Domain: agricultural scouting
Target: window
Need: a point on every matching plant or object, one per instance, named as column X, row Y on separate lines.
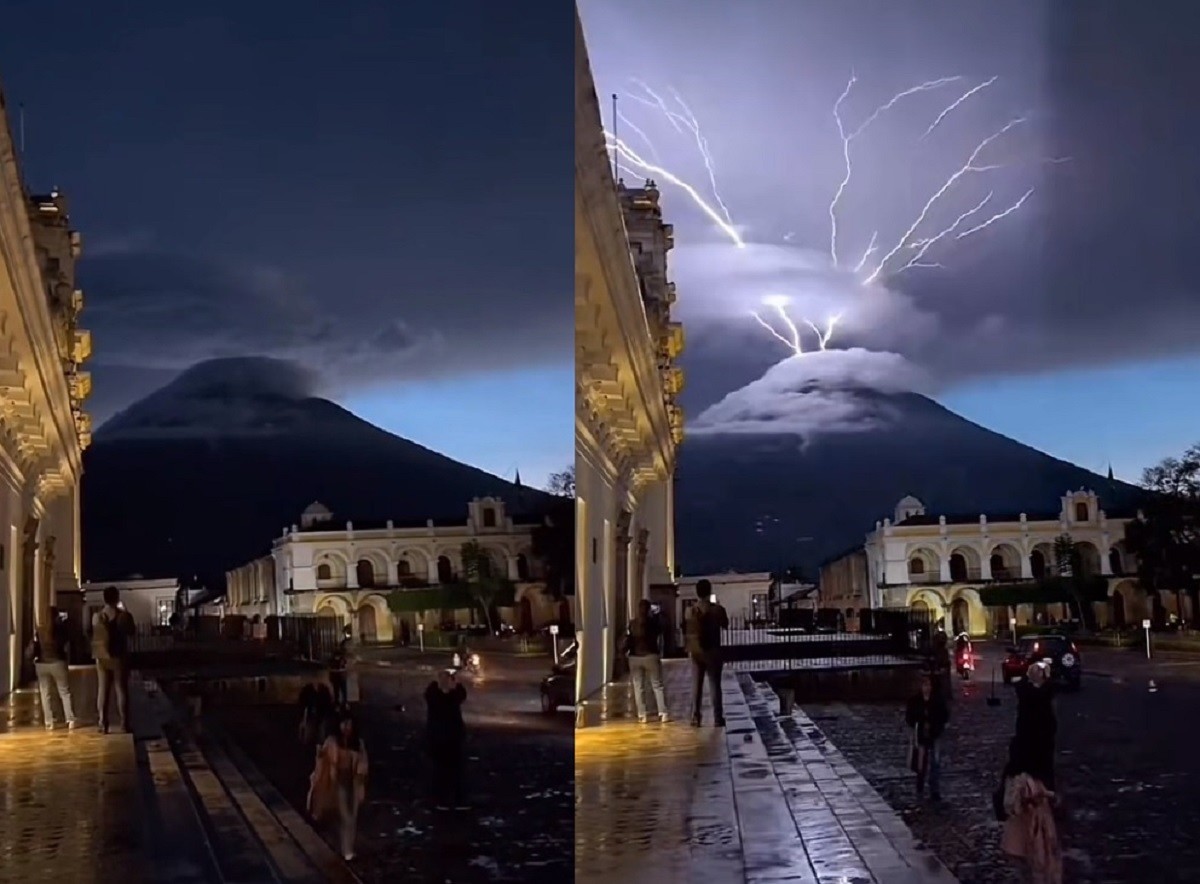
column 324, row 572
column 365, row 572
column 489, row 517
column 166, row 607
column 916, row 566
column 1081, row 512
column 404, row 568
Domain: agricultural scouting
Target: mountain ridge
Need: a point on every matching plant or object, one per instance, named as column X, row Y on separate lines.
column 202, row 474
column 763, row 501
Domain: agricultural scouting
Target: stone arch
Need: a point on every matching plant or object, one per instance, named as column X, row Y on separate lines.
column 924, row 565
column 969, row 607
column 1041, row 561
column 332, row 605
column 965, row 563
column 929, row 600
column 1118, row 557
column 373, row 619
column 1087, row 557
column 417, row 561
column 1005, row 561
column 338, row 565
column 1125, row 603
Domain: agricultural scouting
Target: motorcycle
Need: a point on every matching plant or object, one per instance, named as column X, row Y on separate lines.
column 965, row 662
column 468, row 662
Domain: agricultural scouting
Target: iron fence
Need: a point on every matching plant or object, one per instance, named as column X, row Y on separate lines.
column 874, row 637
column 292, row 637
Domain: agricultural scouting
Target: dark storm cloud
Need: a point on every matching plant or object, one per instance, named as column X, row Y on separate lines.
column 1097, row 267
column 375, row 190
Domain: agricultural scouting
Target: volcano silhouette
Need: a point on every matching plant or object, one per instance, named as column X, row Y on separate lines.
column 759, row 502
column 201, row 475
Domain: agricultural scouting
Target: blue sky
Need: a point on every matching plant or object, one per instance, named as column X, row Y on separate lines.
column 533, row 432
column 1130, row 415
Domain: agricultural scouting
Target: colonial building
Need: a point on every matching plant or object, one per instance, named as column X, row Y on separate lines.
column 947, row 564
column 627, row 424
column 43, row 429
column 348, row 570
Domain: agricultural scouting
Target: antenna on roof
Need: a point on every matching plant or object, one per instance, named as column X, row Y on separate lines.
column 614, row 125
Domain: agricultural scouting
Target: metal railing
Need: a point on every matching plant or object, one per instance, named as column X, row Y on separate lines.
column 826, row 637
column 293, row 637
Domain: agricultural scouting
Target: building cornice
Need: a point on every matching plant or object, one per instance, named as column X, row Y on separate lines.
column 37, row 402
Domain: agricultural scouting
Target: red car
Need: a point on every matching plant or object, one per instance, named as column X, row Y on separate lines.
column 1066, row 664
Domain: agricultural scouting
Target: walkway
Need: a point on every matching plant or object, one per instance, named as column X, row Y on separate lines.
column 69, row 801
column 672, row 802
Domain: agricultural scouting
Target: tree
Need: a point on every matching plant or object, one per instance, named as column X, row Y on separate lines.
column 484, row 585
column 1165, row 538
column 1068, row 568
column 553, row 544
column 562, row 484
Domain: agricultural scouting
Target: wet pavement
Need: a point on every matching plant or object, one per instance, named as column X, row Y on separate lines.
column 69, row 800
column 518, row 776
column 1127, row 768
column 666, row 802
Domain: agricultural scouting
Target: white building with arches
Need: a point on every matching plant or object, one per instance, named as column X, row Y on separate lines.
column 43, row 428
column 349, row 569
column 943, row 562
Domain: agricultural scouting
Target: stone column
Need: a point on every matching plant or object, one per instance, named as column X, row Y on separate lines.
column 513, row 572
column 621, row 609
column 985, row 564
column 944, row 566
column 431, row 570
column 657, row 514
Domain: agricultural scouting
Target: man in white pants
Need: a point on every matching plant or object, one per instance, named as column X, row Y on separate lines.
column 644, row 644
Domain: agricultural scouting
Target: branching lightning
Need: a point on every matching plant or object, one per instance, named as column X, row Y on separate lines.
column 875, row 263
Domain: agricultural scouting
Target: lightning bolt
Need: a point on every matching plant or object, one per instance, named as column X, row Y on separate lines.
column 824, row 336
column 973, row 90
column 997, row 216
column 968, row 167
column 847, row 139
column 794, row 344
column 923, row 245
column 686, row 120
column 793, row 341
column 645, row 138
column 862, row 262
column 625, row 152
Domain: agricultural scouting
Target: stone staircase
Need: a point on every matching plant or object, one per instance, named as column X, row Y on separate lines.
column 213, row 817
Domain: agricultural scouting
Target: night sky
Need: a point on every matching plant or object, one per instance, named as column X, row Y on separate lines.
column 377, row 190
column 1070, row 324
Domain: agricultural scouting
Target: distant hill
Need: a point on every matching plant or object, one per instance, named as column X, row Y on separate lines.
column 746, row 501
column 202, row 474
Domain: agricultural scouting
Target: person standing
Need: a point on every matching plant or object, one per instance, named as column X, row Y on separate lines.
column 705, row 621
column 927, row 716
column 112, row 627
column 51, row 644
column 339, row 782
column 644, row 646
column 447, row 734
column 1037, row 725
column 339, row 671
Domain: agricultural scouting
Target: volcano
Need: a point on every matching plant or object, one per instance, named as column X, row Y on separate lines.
column 201, row 475
column 762, row 501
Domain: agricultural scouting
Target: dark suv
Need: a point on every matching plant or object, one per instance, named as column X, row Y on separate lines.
column 1066, row 665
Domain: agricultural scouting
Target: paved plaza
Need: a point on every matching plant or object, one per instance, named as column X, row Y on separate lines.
column 1127, row 767
column 69, row 801
column 671, row 802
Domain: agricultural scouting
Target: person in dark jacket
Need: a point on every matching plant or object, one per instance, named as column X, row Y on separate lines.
column 643, row 644
column 447, row 736
column 705, row 622
column 927, row 716
column 1037, row 725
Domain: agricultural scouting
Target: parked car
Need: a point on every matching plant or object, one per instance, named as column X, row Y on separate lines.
column 1066, row 664
column 558, row 688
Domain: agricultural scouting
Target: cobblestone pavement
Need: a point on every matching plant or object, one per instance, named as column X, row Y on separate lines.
column 1127, row 768
column 68, row 802
column 519, row 778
